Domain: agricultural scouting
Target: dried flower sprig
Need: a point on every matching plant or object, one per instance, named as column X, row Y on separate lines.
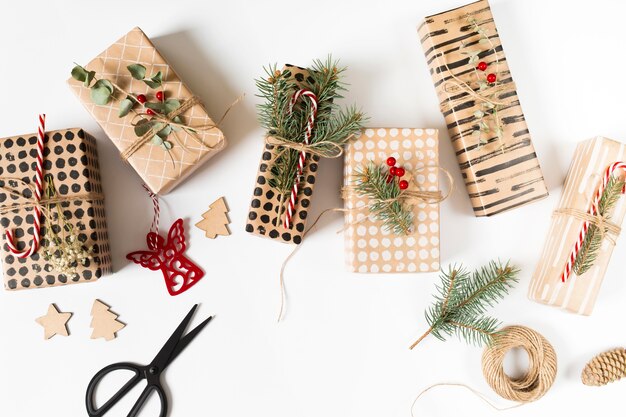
column 60, row 244
column 487, row 120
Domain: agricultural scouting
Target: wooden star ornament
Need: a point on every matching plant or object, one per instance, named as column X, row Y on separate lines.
column 54, row 322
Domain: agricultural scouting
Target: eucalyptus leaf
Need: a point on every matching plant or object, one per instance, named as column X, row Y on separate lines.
column 104, row 83
column 155, row 105
column 476, row 133
column 167, row 144
column 171, row 105
column 478, row 114
column 156, row 140
column 137, row 71
column 473, row 59
column 163, row 133
column 100, row 95
column 125, row 106
column 89, row 78
column 143, row 126
column 155, row 81
column 79, row 73
column 179, row 120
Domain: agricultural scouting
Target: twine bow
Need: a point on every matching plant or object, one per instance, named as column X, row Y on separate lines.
column 32, row 202
column 607, row 229
column 168, row 119
column 323, row 149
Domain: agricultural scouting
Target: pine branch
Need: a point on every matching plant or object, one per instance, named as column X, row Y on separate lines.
column 590, row 247
column 332, row 125
column 462, row 300
column 371, row 181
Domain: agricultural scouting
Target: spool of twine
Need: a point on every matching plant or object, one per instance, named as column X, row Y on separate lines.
column 542, row 365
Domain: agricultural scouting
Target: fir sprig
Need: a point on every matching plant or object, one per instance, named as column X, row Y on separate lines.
column 371, row 181
column 463, row 299
column 333, row 126
column 590, row 247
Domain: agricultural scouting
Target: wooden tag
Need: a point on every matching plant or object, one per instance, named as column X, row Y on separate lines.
column 216, row 220
column 104, row 322
column 54, row 322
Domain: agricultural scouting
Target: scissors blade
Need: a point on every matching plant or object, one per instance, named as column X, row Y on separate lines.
column 182, row 344
column 162, row 359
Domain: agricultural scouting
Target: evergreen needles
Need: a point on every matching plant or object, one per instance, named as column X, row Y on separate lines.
column 593, row 240
column 463, row 299
column 371, row 181
column 333, row 126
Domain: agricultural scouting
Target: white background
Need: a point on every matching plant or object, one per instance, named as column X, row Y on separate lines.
column 342, row 349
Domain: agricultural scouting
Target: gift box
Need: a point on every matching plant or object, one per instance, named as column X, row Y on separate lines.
column 164, row 139
column 479, row 101
column 70, row 168
column 268, row 206
column 370, row 246
column 551, row 284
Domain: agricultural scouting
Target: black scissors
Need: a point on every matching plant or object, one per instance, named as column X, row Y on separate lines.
column 151, row 373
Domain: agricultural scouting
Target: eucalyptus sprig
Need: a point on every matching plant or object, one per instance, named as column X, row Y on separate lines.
column 371, row 181
column 102, row 91
column 592, row 242
column 463, row 299
column 333, row 125
column 61, row 245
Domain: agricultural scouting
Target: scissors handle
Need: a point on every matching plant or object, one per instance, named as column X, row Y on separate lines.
column 140, row 373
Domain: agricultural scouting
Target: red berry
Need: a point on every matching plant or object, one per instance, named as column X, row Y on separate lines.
column 160, row 95
column 482, row 65
column 400, row 172
column 391, row 161
column 389, row 178
column 491, row 78
column 404, row 184
column 392, row 171
column 150, row 112
column 141, row 98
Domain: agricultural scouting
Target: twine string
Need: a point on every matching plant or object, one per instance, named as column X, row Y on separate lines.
column 607, row 229
column 542, row 369
column 154, row 227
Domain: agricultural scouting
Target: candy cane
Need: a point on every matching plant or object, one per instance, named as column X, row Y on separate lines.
column 34, row 244
column 302, row 157
column 593, row 210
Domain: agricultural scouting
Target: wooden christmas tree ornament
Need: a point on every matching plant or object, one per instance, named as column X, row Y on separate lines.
column 215, row 220
column 604, row 368
column 54, row 322
column 104, row 322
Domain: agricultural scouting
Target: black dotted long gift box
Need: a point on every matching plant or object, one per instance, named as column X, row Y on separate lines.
column 71, row 161
column 266, row 214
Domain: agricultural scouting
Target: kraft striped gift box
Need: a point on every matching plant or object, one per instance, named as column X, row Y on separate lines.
column 578, row 293
column 479, row 101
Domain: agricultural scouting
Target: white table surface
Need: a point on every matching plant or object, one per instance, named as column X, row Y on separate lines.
column 342, row 349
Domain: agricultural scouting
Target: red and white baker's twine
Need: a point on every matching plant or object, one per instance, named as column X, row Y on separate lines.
column 291, row 206
column 34, row 244
column 157, row 210
column 593, row 210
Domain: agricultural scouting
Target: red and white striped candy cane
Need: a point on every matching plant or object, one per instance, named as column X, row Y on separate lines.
column 34, row 244
column 291, row 206
column 593, row 210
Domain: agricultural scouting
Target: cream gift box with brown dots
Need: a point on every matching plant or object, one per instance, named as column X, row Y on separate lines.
column 370, row 247
column 71, row 167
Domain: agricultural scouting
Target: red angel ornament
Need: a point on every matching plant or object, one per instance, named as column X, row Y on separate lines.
column 179, row 272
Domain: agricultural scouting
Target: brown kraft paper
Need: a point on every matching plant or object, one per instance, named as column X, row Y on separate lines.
column 504, row 173
column 150, row 161
column 265, row 217
column 371, row 248
column 71, row 159
column 578, row 293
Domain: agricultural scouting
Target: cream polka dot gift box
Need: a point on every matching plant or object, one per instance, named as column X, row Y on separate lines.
column 370, row 245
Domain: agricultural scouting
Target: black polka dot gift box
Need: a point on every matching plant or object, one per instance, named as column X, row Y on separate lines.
column 269, row 206
column 73, row 243
column 159, row 126
column 479, row 101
